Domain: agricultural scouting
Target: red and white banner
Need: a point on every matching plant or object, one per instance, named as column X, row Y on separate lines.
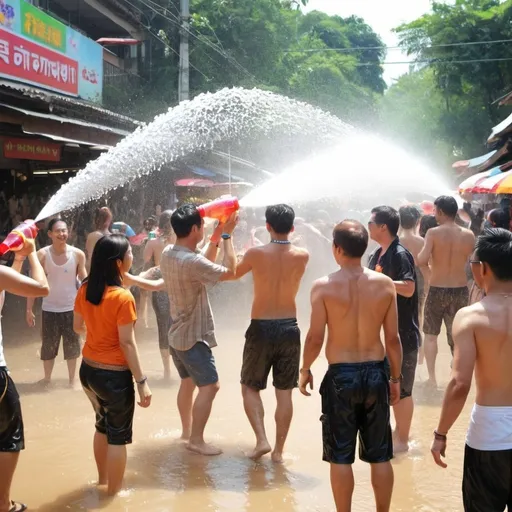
column 30, row 62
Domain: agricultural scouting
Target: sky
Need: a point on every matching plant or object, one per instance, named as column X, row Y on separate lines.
column 382, row 16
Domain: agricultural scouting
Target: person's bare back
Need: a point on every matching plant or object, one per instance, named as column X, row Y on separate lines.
column 489, row 322
column 356, row 303
column 450, row 247
column 277, row 272
column 413, row 243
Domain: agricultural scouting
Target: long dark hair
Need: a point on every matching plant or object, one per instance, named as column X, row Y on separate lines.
column 108, row 250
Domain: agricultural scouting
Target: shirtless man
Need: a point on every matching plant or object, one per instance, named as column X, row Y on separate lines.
column 447, row 248
column 354, row 304
column 409, row 219
column 152, row 255
column 102, row 223
column 64, row 266
column 483, row 342
column 273, row 338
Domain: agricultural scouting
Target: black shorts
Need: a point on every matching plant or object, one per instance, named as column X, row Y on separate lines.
column 409, row 363
column 12, row 436
column 112, row 396
column 487, row 480
column 160, row 301
column 271, row 344
column 54, row 327
column 355, row 401
column 443, row 304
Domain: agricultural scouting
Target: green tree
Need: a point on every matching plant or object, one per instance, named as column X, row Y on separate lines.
column 469, row 76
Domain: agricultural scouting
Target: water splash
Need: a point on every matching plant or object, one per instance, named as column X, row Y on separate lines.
column 197, row 125
column 362, row 169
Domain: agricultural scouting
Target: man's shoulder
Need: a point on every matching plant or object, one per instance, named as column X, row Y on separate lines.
column 77, row 251
column 373, row 275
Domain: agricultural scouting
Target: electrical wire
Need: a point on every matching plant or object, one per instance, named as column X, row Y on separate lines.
column 157, row 37
column 362, row 48
column 205, row 41
column 432, row 61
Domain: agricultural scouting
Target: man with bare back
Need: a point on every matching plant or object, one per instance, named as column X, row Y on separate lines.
column 160, row 300
column 483, row 346
column 272, row 340
column 447, row 248
column 354, row 303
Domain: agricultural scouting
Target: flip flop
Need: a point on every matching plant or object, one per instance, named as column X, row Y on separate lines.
column 17, row 507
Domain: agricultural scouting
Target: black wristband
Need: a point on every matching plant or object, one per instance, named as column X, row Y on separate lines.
column 439, row 437
column 143, row 381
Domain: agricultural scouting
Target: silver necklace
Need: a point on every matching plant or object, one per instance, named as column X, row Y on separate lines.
column 280, row 242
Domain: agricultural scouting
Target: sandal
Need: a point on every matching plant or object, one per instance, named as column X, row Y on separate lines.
column 17, row 507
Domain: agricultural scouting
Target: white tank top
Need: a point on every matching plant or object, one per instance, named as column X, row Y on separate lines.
column 62, row 283
column 2, row 358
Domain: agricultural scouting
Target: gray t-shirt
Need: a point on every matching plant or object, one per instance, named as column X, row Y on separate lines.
column 186, row 275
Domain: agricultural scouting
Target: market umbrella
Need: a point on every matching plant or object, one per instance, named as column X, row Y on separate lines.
column 498, row 184
column 505, row 185
column 469, row 184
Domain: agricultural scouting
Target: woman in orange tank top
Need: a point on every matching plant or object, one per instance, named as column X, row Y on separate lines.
column 105, row 312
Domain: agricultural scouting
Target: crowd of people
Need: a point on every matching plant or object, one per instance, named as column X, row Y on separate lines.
column 418, row 268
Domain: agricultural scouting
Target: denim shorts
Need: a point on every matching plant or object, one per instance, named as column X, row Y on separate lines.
column 196, row 363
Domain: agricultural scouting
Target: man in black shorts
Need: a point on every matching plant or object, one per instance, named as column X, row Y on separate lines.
column 483, row 347
column 355, row 303
column 273, row 338
column 396, row 262
column 12, row 439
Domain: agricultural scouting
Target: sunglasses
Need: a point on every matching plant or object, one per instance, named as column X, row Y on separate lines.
column 475, row 262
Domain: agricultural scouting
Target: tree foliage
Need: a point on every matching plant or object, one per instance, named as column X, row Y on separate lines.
column 266, row 44
column 463, row 79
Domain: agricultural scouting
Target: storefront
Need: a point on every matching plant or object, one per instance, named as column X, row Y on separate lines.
column 51, row 119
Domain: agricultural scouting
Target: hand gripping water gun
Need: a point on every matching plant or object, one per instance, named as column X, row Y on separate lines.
column 220, row 209
column 17, row 237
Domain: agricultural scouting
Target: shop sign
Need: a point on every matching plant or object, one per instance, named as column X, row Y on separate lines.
column 31, row 149
column 40, row 50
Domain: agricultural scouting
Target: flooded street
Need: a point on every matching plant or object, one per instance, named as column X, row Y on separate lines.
column 57, row 470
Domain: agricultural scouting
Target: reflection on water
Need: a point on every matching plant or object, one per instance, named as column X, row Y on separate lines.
column 57, row 471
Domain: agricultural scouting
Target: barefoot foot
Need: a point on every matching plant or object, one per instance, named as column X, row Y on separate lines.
column 204, row 449
column 277, row 458
column 260, row 450
column 399, row 447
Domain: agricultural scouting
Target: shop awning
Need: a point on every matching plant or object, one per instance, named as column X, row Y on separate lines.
column 473, row 162
column 501, row 129
column 67, row 120
column 97, row 147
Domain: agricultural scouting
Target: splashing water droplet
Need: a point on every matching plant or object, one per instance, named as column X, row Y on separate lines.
column 227, row 115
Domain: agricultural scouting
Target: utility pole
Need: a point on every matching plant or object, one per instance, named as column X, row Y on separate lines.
column 184, row 77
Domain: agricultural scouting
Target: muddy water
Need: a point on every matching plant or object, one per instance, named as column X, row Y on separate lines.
column 57, row 471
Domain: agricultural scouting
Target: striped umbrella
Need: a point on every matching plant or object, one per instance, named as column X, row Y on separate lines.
column 468, row 185
column 505, row 185
column 498, row 184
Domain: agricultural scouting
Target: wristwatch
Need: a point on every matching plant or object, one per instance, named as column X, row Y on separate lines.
column 225, row 236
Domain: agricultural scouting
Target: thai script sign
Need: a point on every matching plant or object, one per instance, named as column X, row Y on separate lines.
column 31, row 149
column 37, row 49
